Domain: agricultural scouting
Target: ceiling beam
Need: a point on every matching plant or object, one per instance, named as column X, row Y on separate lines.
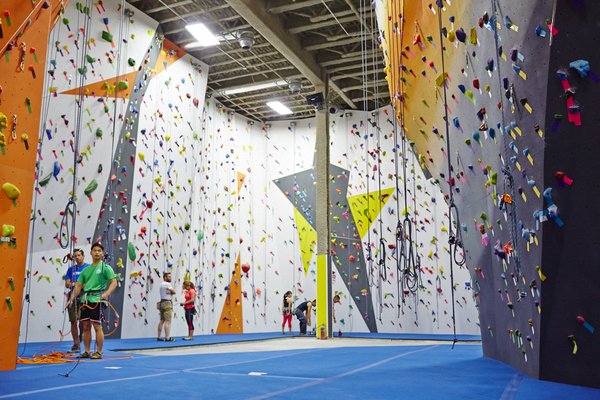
column 281, row 6
column 265, row 55
column 166, row 7
column 311, row 26
column 380, row 95
column 368, row 84
column 273, row 30
column 333, row 43
column 243, row 81
column 247, row 74
column 210, row 52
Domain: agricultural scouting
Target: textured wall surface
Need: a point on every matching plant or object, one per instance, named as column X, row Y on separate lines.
column 21, row 81
column 571, row 254
column 505, row 149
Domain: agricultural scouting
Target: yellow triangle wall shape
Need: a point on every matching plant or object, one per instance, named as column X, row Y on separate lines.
column 308, row 239
column 366, row 208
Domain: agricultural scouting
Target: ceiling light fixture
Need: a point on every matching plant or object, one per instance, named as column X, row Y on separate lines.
column 251, row 88
column 280, row 108
column 202, row 35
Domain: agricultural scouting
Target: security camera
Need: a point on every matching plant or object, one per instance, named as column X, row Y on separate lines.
column 295, row 86
column 334, row 109
column 246, row 40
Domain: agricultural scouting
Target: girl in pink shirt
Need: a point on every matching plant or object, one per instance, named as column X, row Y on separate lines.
column 190, row 309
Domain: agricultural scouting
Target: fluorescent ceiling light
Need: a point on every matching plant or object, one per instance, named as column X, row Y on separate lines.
column 280, row 108
column 251, row 88
column 202, row 35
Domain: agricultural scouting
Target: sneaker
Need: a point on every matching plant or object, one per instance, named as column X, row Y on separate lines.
column 96, row 356
column 85, row 354
column 160, row 339
column 74, row 349
column 170, row 339
column 187, row 338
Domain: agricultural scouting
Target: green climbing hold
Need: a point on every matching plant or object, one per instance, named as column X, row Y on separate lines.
column 131, row 62
column 200, row 235
column 44, row 181
column 99, row 132
column 90, row 187
column 123, row 85
column 131, row 251
column 107, row 36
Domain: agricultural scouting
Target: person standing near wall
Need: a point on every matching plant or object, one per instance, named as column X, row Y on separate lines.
column 286, row 308
column 97, row 282
column 70, row 280
column 303, row 313
column 189, row 293
column 336, row 300
column 165, row 307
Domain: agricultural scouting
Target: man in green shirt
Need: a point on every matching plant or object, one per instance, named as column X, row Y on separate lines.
column 97, row 283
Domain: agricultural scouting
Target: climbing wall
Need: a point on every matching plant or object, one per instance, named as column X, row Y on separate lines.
column 22, row 64
column 506, row 145
column 269, row 219
column 169, row 180
column 135, row 147
column 570, row 291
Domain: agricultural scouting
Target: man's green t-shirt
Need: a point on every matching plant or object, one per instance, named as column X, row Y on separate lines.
column 95, row 280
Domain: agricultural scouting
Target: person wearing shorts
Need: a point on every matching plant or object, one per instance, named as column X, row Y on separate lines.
column 97, row 282
column 165, row 307
column 70, row 280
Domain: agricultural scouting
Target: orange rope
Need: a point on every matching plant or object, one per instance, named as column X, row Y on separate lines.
column 58, row 357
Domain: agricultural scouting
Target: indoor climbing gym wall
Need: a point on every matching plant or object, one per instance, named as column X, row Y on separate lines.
column 23, row 32
column 117, row 164
column 134, row 155
column 259, row 229
column 479, row 89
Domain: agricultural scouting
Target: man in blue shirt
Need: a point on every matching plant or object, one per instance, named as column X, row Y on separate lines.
column 70, row 279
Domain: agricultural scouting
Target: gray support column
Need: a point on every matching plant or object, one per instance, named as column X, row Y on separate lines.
column 322, row 221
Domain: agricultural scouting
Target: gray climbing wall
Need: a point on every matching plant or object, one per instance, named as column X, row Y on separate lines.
column 514, row 148
column 570, row 295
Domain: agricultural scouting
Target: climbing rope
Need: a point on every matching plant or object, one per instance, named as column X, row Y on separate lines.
column 452, row 239
column 365, row 90
column 506, row 169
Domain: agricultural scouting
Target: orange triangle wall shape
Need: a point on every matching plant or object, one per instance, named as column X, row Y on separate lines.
column 240, row 179
column 231, row 320
column 169, row 54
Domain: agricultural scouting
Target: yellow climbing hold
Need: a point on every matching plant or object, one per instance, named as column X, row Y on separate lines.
column 12, row 192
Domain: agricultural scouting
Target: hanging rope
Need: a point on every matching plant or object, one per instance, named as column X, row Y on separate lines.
column 365, row 90
column 108, row 241
column 508, row 180
column 151, row 219
column 453, row 243
column 295, row 202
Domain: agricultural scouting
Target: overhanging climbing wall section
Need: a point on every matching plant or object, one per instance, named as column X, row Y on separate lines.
column 491, row 84
column 570, row 297
column 22, row 66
